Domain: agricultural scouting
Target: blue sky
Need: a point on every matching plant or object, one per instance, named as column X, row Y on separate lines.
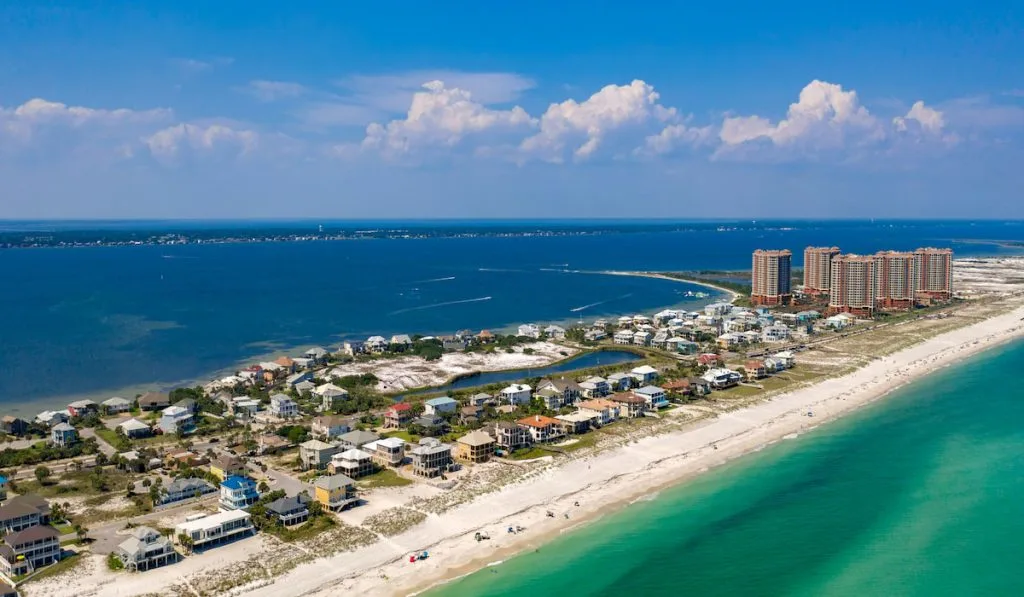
column 595, row 109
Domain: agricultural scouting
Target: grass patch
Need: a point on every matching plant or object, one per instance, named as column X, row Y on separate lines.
column 60, row 567
column 98, row 500
column 311, row 528
column 109, row 435
column 403, row 435
column 383, row 478
column 64, row 528
column 585, row 440
column 528, row 453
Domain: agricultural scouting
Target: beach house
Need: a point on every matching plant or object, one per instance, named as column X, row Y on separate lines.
column 238, row 493
column 283, row 407
column 330, row 396
column 112, row 406
column 619, row 382
column 154, row 401
column 203, row 532
column 549, row 397
column 470, row 415
column 755, row 369
column 517, row 394
column 786, row 358
column 630, row 405
column 541, row 429
column 24, row 511
column 644, row 374
column 389, row 451
column 594, row 387
column 555, row 332
column 510, row 436
column 49, row 418
column 475, row 446
column 352, row 462
column 430, row 457
column 335, row 492
column 316, row 454
column 329, row 427
column 594, row 335
column 573, row 423
column 27, row 550
column 352, row 348
column 226, row 465
column 641, row 338
column 568, row 390
column 144, row 550
column 290, row 510
column 185, row 488
column 12, row 425
column 398, row 415
column 599, row 410
column 528, row 330
column 721, row 378
column 709, row 359
column 63, row 435
column 623, row 337
column 357, row 439
column 376, row 344
column 174, row 419
column 480, row 399
column 295, row 379
column 82, row 408
column 653, row 396
column 440, row 406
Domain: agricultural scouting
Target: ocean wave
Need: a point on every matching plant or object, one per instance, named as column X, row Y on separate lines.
column 444, row 304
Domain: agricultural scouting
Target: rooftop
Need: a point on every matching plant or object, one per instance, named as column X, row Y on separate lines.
column 333, row 482
column 212, row 520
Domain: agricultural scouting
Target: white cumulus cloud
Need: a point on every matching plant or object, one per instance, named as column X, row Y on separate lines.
column 824, row 116
column 928, row 119
column 35, row 114
column 586, row 124
column 168, row 143
column 441, row 116
column 675, row 136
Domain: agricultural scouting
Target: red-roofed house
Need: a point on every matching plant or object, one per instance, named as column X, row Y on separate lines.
column 709, row 360
column 397, row 415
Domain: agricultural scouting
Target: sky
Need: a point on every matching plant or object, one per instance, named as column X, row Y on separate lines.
column 511, row 110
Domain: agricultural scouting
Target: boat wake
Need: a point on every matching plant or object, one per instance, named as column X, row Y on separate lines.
column 444, row 304
column 578, row 309
column 433, row 280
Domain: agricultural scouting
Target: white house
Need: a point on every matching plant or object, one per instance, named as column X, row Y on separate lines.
column 283, row 407
column 654, row 396
column 786, row 357
column 620, row 381
column 722, row 378
column 517, row 394
column 641, row 338
column 623, row 337
column 529, row 330
column 440, row 406
column 717, row 309
column 116, row 405
column 217, row 528
column 659, row 339
column 595, row 387
column 555, row 332
column 594, row 335
column 644, row 374
column 330, row 395
column 174, row 419
column 777, row 332
column 376, row 344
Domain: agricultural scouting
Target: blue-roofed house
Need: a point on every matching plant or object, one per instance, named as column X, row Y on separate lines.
column 3, row 488
column 238, row 493
column 440, row 406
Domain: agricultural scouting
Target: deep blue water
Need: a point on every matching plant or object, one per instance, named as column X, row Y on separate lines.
column 88, row 321
column 583, row 361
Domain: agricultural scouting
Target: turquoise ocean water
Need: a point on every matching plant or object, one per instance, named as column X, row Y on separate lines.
column 920, row 494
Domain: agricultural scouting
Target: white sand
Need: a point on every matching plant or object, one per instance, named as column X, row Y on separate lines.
column 403, row 373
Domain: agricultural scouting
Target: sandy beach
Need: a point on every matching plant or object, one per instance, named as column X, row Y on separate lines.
column 612, row 480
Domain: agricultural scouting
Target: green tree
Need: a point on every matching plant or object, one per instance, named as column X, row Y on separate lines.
column 42, row 474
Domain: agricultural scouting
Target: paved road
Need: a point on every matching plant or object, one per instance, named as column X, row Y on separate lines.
column 278, row 479
column 106, row 448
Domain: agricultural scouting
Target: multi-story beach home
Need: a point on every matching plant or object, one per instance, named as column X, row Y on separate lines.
column 209, row 531
column 510, row 436
column 352, row 348
column 112, row 406
column 541, row 429
column 12, row 425
column 27, row 550
column 619, row 382
column 653, row 395
column 316, row 454
column 329, row 427
column 517, row 394
column 63, row 435
column 480, row 399
column 755, row 369
column 357, row 439
column 335, row 492
column 174, row 419
column 595, row 387
column 599, row 410
column 389, row 451
column 238, row 493
column 475, row 446
column 594, row 335
column 623, row 337
column 24, row 511
column 400, row 341
column 82, row 408
column 721, row 378
column 154, row 401
column 283, row 407
column 568, row 390
column 376, row 344
column 290, row 510
column 555, row 332
column 529, row 330
column 185, row 488
column 430, row 457
column 227, row 465
column 318, row 354
column 642, row 338
column 573, row 423
column 630, row 405
column 659, row 339
column 295, row 379
column 786, row 358
column 550, row 397
column 440, row 406
column 398, row 415
column 144, row 550
column 353, row 462
column 644, row 374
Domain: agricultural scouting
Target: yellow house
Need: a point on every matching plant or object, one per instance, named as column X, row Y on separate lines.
column 335, row 492
column 476, row 446
column 226, row 465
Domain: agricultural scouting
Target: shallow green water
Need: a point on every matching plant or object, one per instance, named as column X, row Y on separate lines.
column 922, row 494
